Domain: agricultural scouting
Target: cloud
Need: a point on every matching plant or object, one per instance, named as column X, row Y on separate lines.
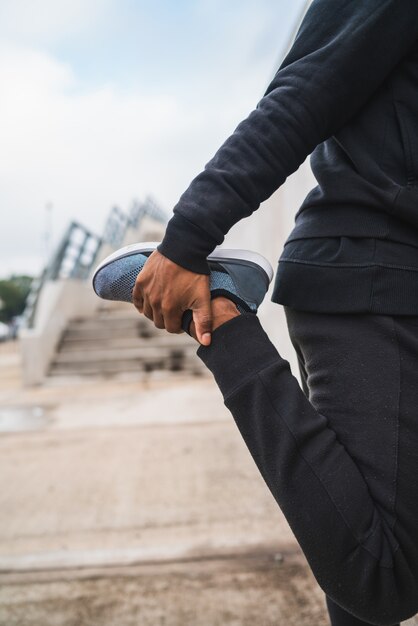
column 49, row 21
column 85, row 150
column 85, row 147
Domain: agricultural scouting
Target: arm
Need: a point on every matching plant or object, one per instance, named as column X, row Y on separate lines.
column 342, row 53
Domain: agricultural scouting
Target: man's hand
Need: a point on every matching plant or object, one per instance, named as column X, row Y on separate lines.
column 164, row 290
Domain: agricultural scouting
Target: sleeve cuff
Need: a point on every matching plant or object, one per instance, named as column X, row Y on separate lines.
column 239, row 349
column 187, row 245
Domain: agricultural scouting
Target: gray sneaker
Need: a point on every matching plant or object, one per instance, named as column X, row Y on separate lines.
column 242, row 276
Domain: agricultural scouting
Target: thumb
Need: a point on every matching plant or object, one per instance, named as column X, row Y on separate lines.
column 202, row 317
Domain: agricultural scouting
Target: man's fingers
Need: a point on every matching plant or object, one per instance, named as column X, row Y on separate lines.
column 158, row 319
column 137, row 298
column 148, row 312
column 172, row 320
column 163, row 290
column 202, row 317
column 138, row 304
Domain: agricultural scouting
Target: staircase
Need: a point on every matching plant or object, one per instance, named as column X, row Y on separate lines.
column 117, row 341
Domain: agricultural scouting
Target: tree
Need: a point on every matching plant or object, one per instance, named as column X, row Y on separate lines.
column 13, row 294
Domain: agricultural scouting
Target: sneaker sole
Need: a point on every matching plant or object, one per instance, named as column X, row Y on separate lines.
column 221, row 254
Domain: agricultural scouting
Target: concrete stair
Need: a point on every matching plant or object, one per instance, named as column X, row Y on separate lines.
column 118, row 340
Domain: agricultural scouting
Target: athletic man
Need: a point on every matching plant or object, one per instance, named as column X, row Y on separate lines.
column 341, row 456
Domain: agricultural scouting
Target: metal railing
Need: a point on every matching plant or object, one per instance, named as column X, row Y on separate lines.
column 73, row 258
column 79, row 247
column 118, row 222
column 148, row 207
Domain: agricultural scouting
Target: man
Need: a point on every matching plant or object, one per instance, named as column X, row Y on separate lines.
column 341, row 459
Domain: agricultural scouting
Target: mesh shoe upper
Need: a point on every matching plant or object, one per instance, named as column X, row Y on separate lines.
column 241, row 275
column 116, row 280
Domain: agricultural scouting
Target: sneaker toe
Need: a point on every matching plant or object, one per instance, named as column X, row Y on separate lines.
column 116, row 280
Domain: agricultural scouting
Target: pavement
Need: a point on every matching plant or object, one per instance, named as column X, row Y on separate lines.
column 129, row 502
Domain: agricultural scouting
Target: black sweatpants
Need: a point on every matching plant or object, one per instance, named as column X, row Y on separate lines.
column 340, row 456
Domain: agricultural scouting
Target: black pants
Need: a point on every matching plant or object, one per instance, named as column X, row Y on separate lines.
column 341, row 455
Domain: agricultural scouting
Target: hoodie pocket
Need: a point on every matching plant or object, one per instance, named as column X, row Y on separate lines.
column 405, row 128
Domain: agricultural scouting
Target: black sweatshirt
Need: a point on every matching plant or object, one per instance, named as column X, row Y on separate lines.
column 347, row 92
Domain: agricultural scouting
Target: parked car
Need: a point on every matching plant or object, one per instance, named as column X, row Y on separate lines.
column 14, row 326
column 4, row 332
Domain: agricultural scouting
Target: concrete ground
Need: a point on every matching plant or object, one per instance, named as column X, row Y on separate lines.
column 137, row 503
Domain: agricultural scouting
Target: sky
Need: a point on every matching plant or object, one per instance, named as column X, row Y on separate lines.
column 107, row 101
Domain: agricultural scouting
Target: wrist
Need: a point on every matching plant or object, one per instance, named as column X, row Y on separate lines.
column 187, row 245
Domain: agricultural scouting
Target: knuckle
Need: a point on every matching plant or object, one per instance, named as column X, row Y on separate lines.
column 138, row 283
column 169, row 309
column 154, row 303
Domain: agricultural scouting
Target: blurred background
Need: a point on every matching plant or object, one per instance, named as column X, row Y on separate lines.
column 127, row 495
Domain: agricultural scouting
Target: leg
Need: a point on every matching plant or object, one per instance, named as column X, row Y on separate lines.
column 338, row 616
column 335, row 463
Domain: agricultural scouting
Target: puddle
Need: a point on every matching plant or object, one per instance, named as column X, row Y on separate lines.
column 15, row 419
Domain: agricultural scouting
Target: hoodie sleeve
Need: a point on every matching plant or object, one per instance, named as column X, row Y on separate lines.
column 343, row 51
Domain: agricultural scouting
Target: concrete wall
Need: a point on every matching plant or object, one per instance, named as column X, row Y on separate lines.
column 59, row 301
column 265, row 232
column 63, row 300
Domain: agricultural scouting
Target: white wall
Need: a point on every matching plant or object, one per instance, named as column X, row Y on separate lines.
column 265, row 232
column 59, row 301
column 63, row 300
